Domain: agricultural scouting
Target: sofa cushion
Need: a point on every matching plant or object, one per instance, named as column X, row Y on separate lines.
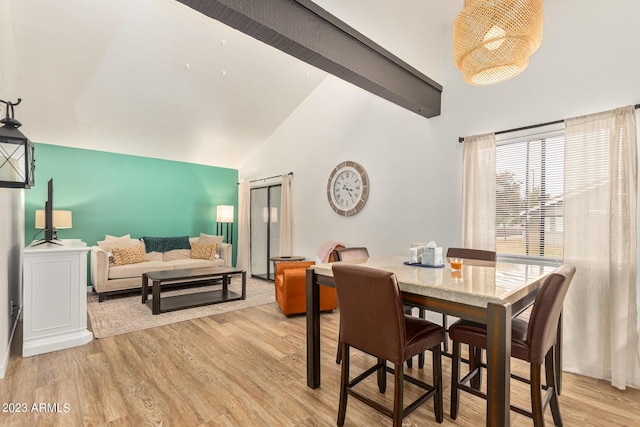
column 153, row 256
column 131, row 255
column 208, row 239
column 136, row 270
column 203, row 251
column 176, row 254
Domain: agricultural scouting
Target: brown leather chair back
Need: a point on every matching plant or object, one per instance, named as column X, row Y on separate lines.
column 371, row 316
column 348, row 254
column 543, row 323
column 332, row 255
column 467, row 253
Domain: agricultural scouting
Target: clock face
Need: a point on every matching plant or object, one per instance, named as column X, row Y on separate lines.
column 348, row 188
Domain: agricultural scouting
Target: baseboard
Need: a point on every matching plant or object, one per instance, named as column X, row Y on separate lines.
column 4, row 364
column 89, row 289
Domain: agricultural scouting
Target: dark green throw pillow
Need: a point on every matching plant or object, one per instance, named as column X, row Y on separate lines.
column 153, row 244
column 171, row 243
column 165, row 244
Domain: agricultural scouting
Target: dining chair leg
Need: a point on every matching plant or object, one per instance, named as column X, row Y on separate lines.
column 445, row 343
column 438, row 404
column 455, row 381
column 558, row 357
column 550, row 375
column 475, row 363
column 339, row 351
column 382, row 376
column 344, row 381
column 536, row 395
column 421, row 356
column 398, row 408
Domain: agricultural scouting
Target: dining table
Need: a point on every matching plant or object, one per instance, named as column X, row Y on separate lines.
column 486, row 292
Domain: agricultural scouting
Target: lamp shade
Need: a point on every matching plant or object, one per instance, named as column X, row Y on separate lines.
column 61, row 219
column 494, row 39
column 224, row 213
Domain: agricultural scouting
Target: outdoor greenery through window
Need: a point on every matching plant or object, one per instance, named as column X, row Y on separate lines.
column 529, row 197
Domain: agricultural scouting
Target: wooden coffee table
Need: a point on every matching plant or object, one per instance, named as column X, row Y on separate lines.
column 191, row 277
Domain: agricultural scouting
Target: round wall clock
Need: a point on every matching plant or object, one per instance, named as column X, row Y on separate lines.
column 348, row 188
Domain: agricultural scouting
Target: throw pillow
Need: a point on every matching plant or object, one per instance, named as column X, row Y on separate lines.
column 165, row 244
column 172, row 243
column 208, row 239
column 107, row 245
column 131, row 255
column 153, row 244
column 203, row 251
column 110, row 237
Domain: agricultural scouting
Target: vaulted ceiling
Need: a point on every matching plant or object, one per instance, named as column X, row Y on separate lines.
column 158, row 79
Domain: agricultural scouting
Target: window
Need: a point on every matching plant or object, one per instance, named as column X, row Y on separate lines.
column 529, row 197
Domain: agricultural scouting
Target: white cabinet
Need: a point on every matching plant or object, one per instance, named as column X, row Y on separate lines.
column 55, row 297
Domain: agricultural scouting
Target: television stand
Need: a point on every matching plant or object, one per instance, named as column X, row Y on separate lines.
column 55, row 297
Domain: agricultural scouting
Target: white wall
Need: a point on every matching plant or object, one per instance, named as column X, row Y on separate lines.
column 408, row 202
column 587, row 63
column 11, row 244
column 11, row 207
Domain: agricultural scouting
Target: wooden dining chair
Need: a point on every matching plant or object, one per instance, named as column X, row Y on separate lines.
column 359, row 253
column 466, row 253
column 350, row 254
column 532, row 340
column 372, row 320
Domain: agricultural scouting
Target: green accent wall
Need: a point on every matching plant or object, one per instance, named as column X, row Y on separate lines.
column 120, row 194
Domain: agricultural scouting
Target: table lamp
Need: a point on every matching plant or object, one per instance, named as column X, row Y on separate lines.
column 61, row 220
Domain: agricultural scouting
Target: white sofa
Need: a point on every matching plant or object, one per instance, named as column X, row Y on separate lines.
column 108, row 278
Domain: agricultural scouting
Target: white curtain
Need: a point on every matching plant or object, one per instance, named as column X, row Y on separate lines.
column 286, row 226
column 479, row 192
column 600, row 314
column 244, row 228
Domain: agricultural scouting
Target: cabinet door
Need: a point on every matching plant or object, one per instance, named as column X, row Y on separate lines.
column 51, row 292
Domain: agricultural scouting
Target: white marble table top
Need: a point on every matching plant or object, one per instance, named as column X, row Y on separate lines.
column 477, row 284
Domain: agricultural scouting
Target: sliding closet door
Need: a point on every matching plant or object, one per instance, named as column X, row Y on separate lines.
column 265, row 229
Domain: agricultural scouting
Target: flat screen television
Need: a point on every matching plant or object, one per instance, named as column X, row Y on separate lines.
column 49, row 234
column 48, row 213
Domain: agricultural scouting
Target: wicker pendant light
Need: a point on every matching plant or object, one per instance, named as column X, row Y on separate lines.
column 493, row 39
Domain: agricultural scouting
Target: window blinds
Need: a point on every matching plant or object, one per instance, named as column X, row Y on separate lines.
column 529, row 196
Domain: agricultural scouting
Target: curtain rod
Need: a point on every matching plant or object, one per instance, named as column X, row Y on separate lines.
column 269, row 177
column 461, row 139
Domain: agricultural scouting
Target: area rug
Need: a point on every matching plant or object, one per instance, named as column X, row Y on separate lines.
column 126, row 313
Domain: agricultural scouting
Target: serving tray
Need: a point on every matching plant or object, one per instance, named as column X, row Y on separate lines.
column 417, row 264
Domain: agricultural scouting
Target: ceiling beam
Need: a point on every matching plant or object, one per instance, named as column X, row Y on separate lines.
column 304, row 30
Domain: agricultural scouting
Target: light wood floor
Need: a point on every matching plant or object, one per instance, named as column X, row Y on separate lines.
column 245, row 368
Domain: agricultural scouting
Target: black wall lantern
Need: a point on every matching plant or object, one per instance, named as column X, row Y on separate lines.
column 16, row 153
